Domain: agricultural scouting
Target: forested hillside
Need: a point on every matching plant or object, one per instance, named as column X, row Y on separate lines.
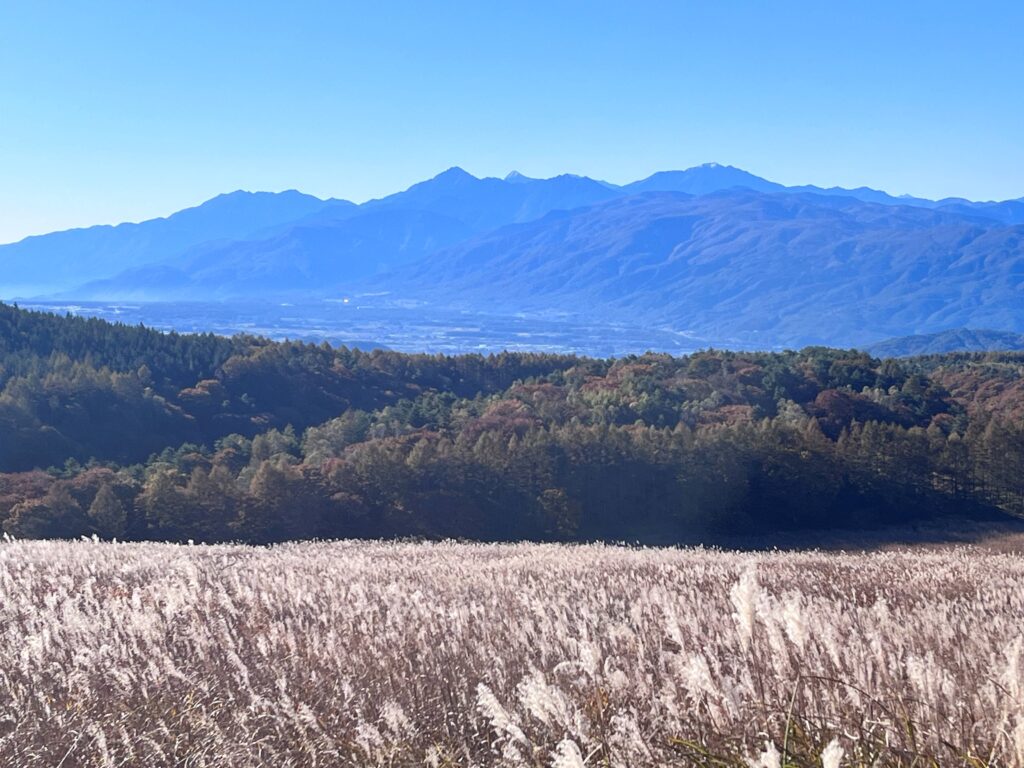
column 129, row 433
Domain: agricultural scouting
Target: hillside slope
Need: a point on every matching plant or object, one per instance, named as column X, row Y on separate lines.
column 314, row 257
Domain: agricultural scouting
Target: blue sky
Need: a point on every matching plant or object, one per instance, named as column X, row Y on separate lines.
column 113, row 111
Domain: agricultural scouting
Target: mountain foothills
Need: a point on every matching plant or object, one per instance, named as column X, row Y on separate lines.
column 712, row 251
column 954, row 340
column 125, row 432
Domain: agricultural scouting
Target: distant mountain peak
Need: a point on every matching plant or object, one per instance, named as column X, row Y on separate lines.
column 515, row 177
column 246, row 194
column 455, row 174
column 702, row 180
column 225, row 197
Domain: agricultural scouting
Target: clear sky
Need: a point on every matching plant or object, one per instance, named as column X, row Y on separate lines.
column 113, row 111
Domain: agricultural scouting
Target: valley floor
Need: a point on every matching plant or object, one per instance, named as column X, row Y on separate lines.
column 356, row 653
column 376, row 322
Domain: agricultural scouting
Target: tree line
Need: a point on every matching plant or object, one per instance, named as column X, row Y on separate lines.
column 127, row 433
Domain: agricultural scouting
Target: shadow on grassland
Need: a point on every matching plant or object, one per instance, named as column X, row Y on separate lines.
column 1005, row 534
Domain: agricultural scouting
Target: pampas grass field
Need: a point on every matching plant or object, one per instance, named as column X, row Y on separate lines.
column 413, row 654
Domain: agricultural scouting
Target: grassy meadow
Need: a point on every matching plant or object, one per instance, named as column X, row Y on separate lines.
column 447, row 654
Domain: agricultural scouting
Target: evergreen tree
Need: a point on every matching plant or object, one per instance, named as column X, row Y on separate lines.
column 108, row 514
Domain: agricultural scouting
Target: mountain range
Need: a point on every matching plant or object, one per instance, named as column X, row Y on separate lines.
column 743, row 267
column 713, row 251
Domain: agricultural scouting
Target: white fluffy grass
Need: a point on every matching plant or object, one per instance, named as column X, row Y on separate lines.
column 357, row 653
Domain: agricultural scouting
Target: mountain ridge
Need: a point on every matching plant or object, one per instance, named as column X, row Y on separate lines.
column 712, row 247
column 741, row 266
column 88, row 251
